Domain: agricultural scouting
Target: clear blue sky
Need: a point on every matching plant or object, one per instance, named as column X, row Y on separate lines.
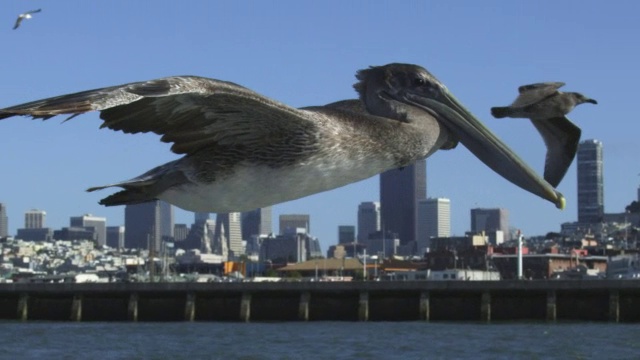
column 306, row 53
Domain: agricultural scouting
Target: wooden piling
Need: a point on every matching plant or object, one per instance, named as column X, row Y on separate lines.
column 303, row 308
column 485, row 306
column 23, row 307
column 132, row 308
column 76, row 308
column 551, row 305
column 424, row 306
column 363, row 306
column 245, row 307
column 190, row 307
column 614, row 306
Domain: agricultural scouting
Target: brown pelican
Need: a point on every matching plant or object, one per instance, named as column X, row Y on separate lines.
column 26, row 15
column 546, row 107
column 244, row 151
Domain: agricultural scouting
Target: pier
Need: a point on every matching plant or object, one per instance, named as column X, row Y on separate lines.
column 476, row 301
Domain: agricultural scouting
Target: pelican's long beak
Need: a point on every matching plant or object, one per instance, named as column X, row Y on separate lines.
column 485, row 145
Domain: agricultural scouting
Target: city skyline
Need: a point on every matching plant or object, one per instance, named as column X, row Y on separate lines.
column 51, row 163
column 36, row 217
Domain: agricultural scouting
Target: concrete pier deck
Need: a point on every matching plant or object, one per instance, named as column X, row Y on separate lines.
column 485, row 301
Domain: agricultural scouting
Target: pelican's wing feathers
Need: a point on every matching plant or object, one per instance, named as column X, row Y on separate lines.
column 191, row 112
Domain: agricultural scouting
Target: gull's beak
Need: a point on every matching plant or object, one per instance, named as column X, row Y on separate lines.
column 484, row 144
column 591, row 101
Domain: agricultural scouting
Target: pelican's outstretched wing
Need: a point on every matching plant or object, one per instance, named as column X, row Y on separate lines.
column 191, row 112
column 561, row 137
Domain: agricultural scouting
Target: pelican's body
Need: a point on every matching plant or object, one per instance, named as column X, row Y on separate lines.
column 26, row 15
column 244, row 151
column 547, row 108
column 350, row 151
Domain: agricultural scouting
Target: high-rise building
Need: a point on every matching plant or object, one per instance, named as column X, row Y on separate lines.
column 256, row 222
column 400, row 190
column 148, row 223
column 4, row 221
column 88, row 221
column 368, row 219
column 346, row 234
column 434, row 220
column 34, row 219
column 201, row 217
column 229, row 231
column 288, row 247
column 115, row 236
column 180, row 232
column 590, row 182
column 490, row 220
column 294, row 221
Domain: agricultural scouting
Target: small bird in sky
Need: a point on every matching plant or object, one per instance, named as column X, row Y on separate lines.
column 547, row 108
column 23, row 16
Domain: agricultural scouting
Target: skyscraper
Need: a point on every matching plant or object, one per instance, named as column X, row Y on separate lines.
column 147, row 222
column 294, row 221
column 4, row 221
column 434, row 220
column 228, row 232
column 368, row 219
column 346, row 234
column 490, row 220
column 590, row 182
column 115, row 236
column 34, row 227
column 34, row 219
column 201, row 217
column 400, row 190
column 256, row 222
column 98, row 224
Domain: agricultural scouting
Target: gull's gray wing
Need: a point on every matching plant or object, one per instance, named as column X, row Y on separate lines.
column 33, row 11
column 18, row 21
column 191, row 112
column 561, row 137
column 534, row 93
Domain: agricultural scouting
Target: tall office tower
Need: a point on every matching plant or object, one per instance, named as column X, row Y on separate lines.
column 229, row 231
column 115, row 236
column 434, row 220
column 180, row 232
column 590, row 182
column 147, row 223
column 4, row 221
column 346, row 234
column 201, row 217
column 256, row 222
column 294, row 221
column 34, row 219
column 368, row 219
column 99, row 225
column 400, row 190
column 490, row 220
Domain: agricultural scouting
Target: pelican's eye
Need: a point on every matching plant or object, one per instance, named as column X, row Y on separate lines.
column 419, row 81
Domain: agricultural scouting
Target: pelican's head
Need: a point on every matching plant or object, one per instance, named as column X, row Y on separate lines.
column 408, row 93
